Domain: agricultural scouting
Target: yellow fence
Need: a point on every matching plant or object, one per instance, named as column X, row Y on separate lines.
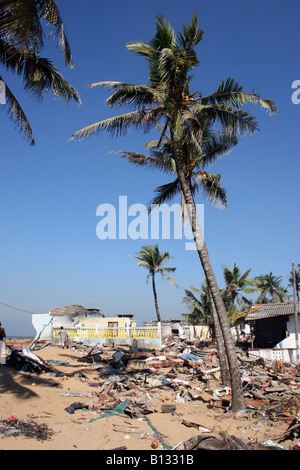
column 108, row 333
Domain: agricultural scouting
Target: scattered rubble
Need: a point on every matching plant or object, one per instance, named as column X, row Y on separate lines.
column 126, row 381
column 23, row 360
column 12, row 426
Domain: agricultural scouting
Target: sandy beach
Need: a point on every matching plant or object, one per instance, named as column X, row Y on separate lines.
column 42, row 399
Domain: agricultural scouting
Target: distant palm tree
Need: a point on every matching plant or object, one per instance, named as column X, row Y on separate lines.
column 271, row 289
column 291, row 282
column 236, row 283
column 151, row 259
column 21, row 41
column 203, row 311
column 198, row 301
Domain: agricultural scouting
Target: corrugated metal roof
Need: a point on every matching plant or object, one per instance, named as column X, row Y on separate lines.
column 272, row 310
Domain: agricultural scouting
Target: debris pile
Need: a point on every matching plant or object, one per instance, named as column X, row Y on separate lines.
column 22, row 359
column 126, row 381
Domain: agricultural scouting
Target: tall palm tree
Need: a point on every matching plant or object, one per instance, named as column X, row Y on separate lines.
column 21, row 41
column 167, row 100
column 271, row 289
column 151, row 259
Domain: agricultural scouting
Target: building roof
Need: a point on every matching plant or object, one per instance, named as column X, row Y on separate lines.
column 272, row 310
column 70, row 310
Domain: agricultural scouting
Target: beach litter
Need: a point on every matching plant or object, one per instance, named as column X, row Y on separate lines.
column 29, row 428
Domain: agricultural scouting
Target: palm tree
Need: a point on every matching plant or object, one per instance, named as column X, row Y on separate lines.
column 151, row 259
column 198, row 301
column 21, row 41
column 236, row 282
column 270, row 289
column 291, row 282
column 168, row 101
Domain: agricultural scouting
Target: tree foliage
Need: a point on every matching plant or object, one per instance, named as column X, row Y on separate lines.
column 22, row 24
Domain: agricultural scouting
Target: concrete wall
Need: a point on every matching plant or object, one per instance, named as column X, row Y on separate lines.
column 100, row 322
column 37, row 323
column 284, row 351
column 284, row 355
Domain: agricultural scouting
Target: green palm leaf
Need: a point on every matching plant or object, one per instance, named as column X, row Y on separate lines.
column 17, row 115
column 21, row 24
column 21, row 39
column 117, row 125
column 37, row 73
column 231, row 94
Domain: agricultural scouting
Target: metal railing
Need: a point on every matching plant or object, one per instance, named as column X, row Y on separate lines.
column 111, row 333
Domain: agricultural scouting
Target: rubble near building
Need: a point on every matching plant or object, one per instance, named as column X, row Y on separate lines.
column 127, row 381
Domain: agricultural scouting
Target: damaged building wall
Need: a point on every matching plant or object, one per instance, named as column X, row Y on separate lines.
column 100, row 322
column 273, row 331
column 181, row 329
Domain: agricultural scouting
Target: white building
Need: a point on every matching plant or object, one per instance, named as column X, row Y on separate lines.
column 273, row 330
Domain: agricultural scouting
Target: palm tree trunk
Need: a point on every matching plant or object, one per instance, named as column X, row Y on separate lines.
column 155, row 299
column 235, row 377
column 220, row 346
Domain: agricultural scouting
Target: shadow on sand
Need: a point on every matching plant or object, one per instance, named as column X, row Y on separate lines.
column 18, row 384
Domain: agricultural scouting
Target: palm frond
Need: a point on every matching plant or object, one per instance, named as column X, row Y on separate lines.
column 50, row 13
column 165, row 35
column 217, row 145
column 167, row 66
column 159, row 161
column 132, row 95
column 235, row 121
column 209, row 184
column 164, row 193
column 190, row 37
column 192, row 301
column 231, row 94
column 38, row 74
column 168, row 278
column 142, row 48
column 116, row 125
column 17, row 115
column 244, row 276
column 21, row 24
column 126, row 93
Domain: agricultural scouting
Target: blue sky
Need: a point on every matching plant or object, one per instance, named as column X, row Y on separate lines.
column 50, row 254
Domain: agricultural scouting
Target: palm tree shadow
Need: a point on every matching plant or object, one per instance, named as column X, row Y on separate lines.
column 11, row 382
column 8, row 383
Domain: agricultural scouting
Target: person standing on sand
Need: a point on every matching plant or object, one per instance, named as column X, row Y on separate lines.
column 2, row 345
column 63, row 337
